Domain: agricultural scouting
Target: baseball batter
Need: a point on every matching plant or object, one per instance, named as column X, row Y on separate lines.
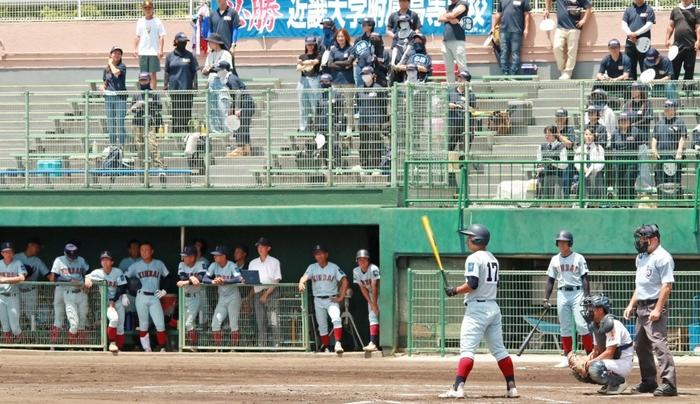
column 570, row 270
column 35, row 267
column 133, row 247
column 482, row 318
column 325, row 277
column 611, row 359
column 149, row 271
column 11, row 271
column 191, row 273
column 117, row 298
column 224, row 274
column 367, row 276
column 71, row 268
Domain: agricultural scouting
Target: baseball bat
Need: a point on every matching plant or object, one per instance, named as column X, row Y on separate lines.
column 431, row 240
column 529, row 336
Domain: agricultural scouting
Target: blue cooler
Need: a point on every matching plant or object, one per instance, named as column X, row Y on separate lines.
column 528, row 69
column 694, row 329
column 54, row 167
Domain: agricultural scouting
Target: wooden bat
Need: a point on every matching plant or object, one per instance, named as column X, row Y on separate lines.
column 529, row 336
column 431, row 240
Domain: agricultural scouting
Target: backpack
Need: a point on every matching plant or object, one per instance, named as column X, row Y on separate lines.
column 114, row 160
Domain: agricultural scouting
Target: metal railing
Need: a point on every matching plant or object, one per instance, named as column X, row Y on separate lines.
column 434, row 320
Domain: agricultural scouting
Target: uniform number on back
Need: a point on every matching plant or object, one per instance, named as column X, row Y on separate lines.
column 492, row 272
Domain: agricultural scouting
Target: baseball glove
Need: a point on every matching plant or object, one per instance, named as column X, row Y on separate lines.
column 577, row 364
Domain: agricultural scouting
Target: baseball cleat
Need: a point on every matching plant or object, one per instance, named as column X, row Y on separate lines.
column 562, row 364
column 643, row 388
column 370, row 347
column 615, row 390
column 147, row 350
column 512, row 393
column 160, row 348
column 113, row 347
column 603, row 390
column 338, row 348
column 665, row 390
column 452, row 393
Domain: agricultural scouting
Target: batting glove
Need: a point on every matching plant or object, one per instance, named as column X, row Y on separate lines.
column 450, row 291
column 546, row 305
column 125, row 301
column 161, row 293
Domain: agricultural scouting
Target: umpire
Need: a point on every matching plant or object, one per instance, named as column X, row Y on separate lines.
column 654, row 282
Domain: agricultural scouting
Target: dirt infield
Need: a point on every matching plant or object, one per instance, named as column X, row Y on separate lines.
column 88, row 377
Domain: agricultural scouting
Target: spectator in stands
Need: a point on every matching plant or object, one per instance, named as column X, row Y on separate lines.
column 218, row 97
column 614, row 69
column 458, row 110
column 149, row 42
column 328, row 40
column 114, row 77
column 685, row 28
column 418, row 56
column 155, row 120
column 453, row 37
column 403, row 42
column 664, row 72
column 514, row 20
column 392, row 23
column 606, row 116
column 566, row 135
column 242, row 106
column 372, row 102
column 566, row 37
column 340, row 63
column 550, row 171
column 181, row 77
column 667, row 143
column 625, row 145
column 593, row 122
column 225, row 22
column 309, row 66
column 641, row 114
column 329, row 119
column 636, row 23
column 378, row 59
column 361, row 45
column 590, row 174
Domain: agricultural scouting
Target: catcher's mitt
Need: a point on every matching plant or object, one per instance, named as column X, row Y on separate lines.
column 577, row 364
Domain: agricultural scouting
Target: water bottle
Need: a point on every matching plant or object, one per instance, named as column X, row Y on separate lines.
column 94, row 146
column 127, row 322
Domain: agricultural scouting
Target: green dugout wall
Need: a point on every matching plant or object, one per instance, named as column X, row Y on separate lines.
column 345, row 220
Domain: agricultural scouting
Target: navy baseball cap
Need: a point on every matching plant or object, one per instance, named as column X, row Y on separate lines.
column 671, row 104
column 264, row 241
column 320, row 248
column 328, row 22
column 593, row 108
column 310, row 40
column 181, row 36
column 327, row 77
column 561, row 113
column 145, row 76
column 624, row 115
column 116, row 48
column 652, row 54
column 404, row 17
column 411, row 66
column 367, row 70
column 638, row 85
column 71, row 251
column 366, row 21
column 419, row 35
column 599, row 91
column 106, row 254
column 220, row 250
column 188, row 250
column 613, row 43
column 375, row 36
column 465, row 75
column 221, row 66
column 7, row 246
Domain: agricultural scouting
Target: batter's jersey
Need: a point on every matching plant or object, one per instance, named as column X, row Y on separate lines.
column 619, row 336
column 126, row 262
column 484, row 266
column 149, row 274
column 653, row 270
column 365, row 278
column 568, row 270
column 324, row 280
column 34, row 266
column 114, row 280
column 67, row 269
column 183, row 269
column 13, row 269
column 228, row 272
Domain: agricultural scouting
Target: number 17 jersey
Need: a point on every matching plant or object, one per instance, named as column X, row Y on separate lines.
column 484, row 266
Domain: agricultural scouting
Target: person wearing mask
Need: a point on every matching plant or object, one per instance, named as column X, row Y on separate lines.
column 641, row 114
column 685, row 29
column 667, row 143
column 402, row 43
column 625, row 144
column 636, row 23
column 590, row 175
column 419, row 57
column 453, row 38
column 327, row 41
column 242, row 105
column 459, row 108
column 309, row 66
column 114, row 87
column 392, row 23
column 225, row 22
column 155, row 120
column 181, row 77
column 378, row 58
column 218, row 96
column 372, row 102
column 361, row 45
column 514, row 20
column 552, row 155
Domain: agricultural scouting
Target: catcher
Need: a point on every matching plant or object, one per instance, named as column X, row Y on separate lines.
column 611, row 359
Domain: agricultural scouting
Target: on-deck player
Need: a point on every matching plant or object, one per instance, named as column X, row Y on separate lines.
column 367, row 276
column 191, row 273
column 325, row 277
column 482, row 318
column 117, row 298
column 11, row 271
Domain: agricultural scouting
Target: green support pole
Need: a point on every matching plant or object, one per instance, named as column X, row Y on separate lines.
column 394, row 140
column 146, row 141
column 26, row 140
column 207, row 119
column 103, row 313
column 442, row 319
column 305, row 320
column 182, row 311
column 88, row 146
column 409, row 323
column 269, row 138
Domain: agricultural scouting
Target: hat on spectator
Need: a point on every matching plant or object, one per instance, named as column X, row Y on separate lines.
column 116, row 48
column 411, row 66
column 465, row 75
column 419, row 35
column 367, row 70
column 638, row 85
column 652, row 54
column 328, row 21
column 671, row 104
column 147, row 3
column 375, row 36
column 188, row 250
column 182, row 37
column 71, row 251
column 106, row 254
column 561, row 113
column 7, row 246
column 223, row 65
column 326, row 77
column 404, row 17
column 320, row 248
column 593, row 108
column 366, row 21
column 599, row 92
column 310, row 40
column 215, row 38
column 264, row 241
column 220, row 250
column 613, row 43
column 145, row 76
column 624, row 115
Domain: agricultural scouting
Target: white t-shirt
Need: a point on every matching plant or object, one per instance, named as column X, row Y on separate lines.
column 213, row 58
column 269, row 271
column 148, row 32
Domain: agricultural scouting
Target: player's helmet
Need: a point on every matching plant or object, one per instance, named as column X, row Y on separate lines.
column 593, row 301
column 481, row 234
column 565, row 235
column 645, row 230
column 133, row 285
column 362, row 254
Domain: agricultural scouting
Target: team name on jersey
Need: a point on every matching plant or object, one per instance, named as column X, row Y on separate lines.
column 226, row 277
column 111, row 284
column 567, row 268
column 8, row 274
column 72, row 271
column 323, row 277
column 148, row 274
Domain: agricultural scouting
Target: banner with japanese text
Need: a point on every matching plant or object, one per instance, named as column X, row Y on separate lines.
column 298, row 18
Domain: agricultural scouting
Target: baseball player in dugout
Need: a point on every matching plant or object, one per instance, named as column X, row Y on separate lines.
column 325, row 277
column 11, row 271
column 191, row 276
column 482, row 318
column 366, row 275
column 36, row 269
column 117, row 298
column 570, row 271
column 70, row 301
column 611, row 359
column 266, row 298
column 654, row 282
column 224, row 274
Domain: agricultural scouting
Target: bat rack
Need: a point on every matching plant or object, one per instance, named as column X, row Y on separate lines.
column 349, row 323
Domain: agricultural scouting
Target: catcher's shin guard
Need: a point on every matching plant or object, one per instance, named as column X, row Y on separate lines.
column 601, row 375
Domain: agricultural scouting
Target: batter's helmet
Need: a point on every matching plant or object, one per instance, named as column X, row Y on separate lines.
column 362, row 254
column 133, row 285
column 565, row 235
column 481, row 234
column 645, row 230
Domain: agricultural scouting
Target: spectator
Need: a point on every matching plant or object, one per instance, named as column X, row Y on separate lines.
column 418, row 56
column 361, row 45
column 114, row 86
column 392, row 23
column 181, row 77
column 667, row 144
column 340, row 62
column 149, row 42
column 155, row 120
column 458, row 110
column 372, row 101
column 327, row 41
column 378, row 59
column 625, row 144
column 225, row 22
column 636, row 23
column 614, row 69
column 566, row 37
column 593, row 121
column 453, row 38
column 591, row 175
column 606, row 116
column 218, row 96
column 242, row 106
column 641, row 114
column 663, row 68
column 564, row 132
column 550, row 172
column 514, row 20
column 685, row 28
column 309, row 65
